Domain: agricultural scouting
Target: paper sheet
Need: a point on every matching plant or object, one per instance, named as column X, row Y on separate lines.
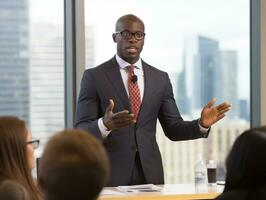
column 139, row 188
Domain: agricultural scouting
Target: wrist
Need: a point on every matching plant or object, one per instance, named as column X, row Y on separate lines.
column 105, row 126
column 202, row 124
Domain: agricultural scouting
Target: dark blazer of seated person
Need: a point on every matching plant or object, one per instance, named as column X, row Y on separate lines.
column 12, row 190
column 246, row 167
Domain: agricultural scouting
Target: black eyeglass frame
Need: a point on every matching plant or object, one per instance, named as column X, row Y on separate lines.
column 131, row 34
column 34, row 143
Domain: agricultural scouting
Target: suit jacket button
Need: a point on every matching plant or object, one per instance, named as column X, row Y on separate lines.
column 134, row 148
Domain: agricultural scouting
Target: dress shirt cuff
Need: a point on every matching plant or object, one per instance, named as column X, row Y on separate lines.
column 104, row 131
column 202, row 129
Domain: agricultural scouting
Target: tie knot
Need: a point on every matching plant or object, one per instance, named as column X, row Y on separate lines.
column 130, row 69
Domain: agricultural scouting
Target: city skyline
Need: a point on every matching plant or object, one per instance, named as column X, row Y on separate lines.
column 207, row 72
column 187, row 17
column 205, row 17
column 167, row 31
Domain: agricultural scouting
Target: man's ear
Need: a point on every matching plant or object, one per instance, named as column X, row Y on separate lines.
column 114, row 37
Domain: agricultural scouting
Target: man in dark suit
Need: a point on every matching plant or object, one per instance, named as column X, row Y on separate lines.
column 120, row 102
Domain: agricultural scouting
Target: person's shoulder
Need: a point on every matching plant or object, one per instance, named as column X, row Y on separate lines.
column 100, row 67
column 232, row 195
column 153, row 69
column 244, row 194
column 10, row 190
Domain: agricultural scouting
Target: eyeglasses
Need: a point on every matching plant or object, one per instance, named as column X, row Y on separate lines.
column 35, row 143
column 127, row 35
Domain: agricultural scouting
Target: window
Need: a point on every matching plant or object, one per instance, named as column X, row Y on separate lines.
column 204, row 47
column 32, row 64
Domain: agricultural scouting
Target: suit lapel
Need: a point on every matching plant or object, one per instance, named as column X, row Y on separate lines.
column 115, row 79
column 148, row 89
column 113, row 74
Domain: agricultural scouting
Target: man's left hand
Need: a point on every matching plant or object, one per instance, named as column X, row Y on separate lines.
column 211, row 114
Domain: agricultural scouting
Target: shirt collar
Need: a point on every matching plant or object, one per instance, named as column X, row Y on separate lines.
column 123, row 64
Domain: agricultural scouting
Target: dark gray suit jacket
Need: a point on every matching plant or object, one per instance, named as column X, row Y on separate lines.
column 104, row 82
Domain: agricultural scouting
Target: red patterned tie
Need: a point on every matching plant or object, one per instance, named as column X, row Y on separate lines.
column 133, row 90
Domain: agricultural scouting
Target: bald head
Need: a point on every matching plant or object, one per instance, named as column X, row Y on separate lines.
column 127, row 19
column 128, row 46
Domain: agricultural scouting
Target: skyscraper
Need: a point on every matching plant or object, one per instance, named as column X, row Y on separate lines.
column 182, row 100
column 243, row 109
column 208, row 72
column 201, row 62
column 205, row 67
column 47, row 79
column 14, row 58
column 227, row 85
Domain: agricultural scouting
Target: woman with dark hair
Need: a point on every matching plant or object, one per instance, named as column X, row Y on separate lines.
column 17, row 156
column 246, row 167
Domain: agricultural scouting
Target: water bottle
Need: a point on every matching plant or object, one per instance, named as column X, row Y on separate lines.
column 200, row 174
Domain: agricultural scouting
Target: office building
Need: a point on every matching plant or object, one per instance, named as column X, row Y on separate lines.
column 14, row 59
column 227, row 88
column 47, row 79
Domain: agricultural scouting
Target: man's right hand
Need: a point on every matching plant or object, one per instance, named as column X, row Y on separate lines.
column 117, row 120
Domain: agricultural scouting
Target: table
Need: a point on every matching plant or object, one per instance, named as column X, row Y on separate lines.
column 167, row 192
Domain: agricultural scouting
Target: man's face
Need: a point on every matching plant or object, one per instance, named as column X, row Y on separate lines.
column 129, row 49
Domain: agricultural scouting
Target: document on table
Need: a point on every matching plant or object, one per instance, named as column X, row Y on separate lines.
column 139, row 188
column 109, row 192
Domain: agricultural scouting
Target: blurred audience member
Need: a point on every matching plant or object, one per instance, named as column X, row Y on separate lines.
column 74, row 166
column 246, row 167
column 16, row 158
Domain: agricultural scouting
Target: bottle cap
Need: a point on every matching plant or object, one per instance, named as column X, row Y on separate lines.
column 211, row 164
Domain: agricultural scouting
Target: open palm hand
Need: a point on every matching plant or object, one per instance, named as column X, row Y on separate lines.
column 211, row 114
